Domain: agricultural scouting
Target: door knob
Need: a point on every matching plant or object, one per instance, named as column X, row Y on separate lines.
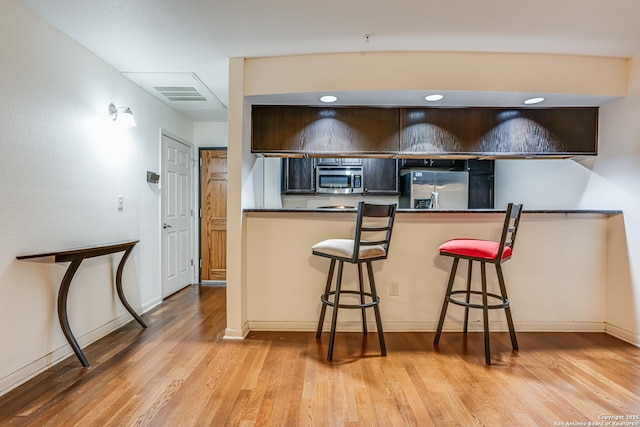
column 165, row 226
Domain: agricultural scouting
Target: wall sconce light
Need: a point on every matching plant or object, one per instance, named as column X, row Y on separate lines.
column 122, row 115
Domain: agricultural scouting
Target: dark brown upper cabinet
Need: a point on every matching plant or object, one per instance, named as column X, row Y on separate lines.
column 324, row 131
column 499, row 132
column 288, row 130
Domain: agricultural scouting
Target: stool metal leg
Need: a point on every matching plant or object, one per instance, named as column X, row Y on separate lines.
column 323, row 310
column 445, row 303
column 468, row 297
column 362, row 301
column 376, row 309
column 485, row 315
column 507, row 310
column 334, row 319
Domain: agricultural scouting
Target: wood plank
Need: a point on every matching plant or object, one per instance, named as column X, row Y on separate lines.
column 181, row 371
column 217, row 274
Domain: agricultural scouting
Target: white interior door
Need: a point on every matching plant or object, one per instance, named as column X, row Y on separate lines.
column 177, row 216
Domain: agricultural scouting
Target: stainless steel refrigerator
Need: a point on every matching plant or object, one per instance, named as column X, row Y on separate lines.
column 434, row 189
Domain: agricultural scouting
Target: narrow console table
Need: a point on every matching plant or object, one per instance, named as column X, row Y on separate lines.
column 76, row 256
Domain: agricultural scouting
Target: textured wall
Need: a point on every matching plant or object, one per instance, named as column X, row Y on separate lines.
column 63, row 164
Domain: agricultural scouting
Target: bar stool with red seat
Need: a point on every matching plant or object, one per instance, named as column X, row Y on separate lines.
column 483, row 251
column 376, row 223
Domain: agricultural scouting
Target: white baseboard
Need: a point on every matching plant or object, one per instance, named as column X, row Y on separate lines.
column 236, row 334
column 623, row 334
column 213, row 282
column 150, row 305
column 45, row 362
column 355, row 326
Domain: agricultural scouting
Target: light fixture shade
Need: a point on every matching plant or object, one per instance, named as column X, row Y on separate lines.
column 122, row 115
column 126, row 118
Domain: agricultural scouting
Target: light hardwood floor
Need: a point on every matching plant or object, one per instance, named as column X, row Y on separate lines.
column 180, row 372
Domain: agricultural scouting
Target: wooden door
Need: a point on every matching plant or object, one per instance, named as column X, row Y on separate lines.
column 214, row 214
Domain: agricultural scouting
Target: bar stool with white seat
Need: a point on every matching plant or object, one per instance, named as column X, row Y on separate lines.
column 376, row 223
column 483, row 251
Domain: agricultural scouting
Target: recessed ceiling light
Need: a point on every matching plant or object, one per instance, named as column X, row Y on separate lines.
column 533, row 101
column 328, row 98
column 434, row 97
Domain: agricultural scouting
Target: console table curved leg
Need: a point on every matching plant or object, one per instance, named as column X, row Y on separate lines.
column 62, row 308
column 121, row 292
column 75, row 257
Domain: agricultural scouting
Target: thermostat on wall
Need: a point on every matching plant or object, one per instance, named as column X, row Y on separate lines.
column 153, row 177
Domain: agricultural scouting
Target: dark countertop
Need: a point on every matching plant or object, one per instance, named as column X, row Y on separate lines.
column 441, row 211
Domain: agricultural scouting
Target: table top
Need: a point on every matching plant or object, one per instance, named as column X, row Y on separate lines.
column 87, row 251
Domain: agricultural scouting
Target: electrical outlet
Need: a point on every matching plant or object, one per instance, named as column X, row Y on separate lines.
column 120, row 203
column 393, row 289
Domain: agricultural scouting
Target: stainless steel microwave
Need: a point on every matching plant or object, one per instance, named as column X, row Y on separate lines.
column 339, row 180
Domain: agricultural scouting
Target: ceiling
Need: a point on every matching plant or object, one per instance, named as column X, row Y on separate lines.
column 196, row 37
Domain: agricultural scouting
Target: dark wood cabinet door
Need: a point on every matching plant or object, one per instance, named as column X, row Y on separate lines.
column 380, row 176
column 502, row 132
column 424, row 132
column 481, row 190
column 481, row 183
column 445, row 164
column 324, row 131
column 298, row 176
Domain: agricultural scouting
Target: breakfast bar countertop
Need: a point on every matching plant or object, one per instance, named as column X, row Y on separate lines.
column 440, row 211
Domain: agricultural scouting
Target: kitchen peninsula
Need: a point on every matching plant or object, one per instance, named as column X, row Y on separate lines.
column 552, row 288
column 569, row 269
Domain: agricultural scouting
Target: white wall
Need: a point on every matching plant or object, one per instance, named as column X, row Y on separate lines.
column 63, row 164
column 543, row 184
column 239, row 189
column 499, row 72
column 210, row 134
column 615, row 180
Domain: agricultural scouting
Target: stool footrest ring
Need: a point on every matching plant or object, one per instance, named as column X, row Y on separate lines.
column 325, row 300
column 505, row 301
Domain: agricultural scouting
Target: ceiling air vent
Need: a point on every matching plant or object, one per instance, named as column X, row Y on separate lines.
column 180, row 93
column 184, row 92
